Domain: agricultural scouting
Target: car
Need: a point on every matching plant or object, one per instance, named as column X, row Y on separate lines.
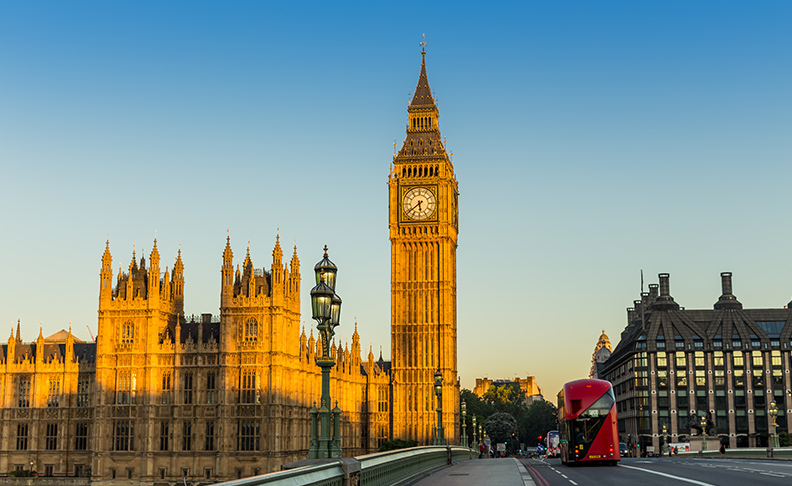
column 623, row 449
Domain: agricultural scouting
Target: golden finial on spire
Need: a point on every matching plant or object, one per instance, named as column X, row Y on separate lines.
column 423, row 44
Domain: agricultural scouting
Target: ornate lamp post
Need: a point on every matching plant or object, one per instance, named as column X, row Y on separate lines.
column 326, row 310
column 475, row 440
column 438, row 384
column 773, row 411
column 665, row 440
column 463, row 438
column 703, row 435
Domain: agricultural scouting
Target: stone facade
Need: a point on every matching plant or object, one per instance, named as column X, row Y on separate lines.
column 528, row 385
column 423, row 232
column 160, row 397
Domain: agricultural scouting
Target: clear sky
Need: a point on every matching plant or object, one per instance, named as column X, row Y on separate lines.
column 591, row 140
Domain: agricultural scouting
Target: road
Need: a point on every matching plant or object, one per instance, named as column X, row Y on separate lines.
column 637, row 471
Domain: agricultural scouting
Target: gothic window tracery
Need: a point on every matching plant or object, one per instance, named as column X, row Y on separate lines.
column 247, row 387
column 250, row 330
column 128, row 333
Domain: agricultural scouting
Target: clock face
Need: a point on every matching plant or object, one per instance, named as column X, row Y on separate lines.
column 419, row 203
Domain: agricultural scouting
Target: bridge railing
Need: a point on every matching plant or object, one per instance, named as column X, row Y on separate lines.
column 380, row 469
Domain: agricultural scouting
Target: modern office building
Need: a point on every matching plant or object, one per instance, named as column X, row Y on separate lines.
column 674, row 366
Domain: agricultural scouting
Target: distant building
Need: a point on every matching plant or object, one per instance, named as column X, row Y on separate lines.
column 602, row 351
column 528, row 385
column 673, row 366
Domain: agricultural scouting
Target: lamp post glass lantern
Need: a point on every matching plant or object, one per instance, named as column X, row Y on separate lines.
column 438, row 384
column 326, row 310
column 773, row 411
column 475, row 439
column 665, row 440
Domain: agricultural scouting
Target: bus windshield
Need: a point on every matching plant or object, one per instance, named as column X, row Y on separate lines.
column 589, row 422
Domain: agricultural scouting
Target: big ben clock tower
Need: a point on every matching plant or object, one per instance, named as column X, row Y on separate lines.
column 423, row 222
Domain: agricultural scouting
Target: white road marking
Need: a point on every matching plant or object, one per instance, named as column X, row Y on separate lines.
column 573, row 482
column 774, row 475
column 678, row 478
column 564, row 476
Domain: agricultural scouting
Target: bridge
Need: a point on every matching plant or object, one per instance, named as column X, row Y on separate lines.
column 451, row 466
column 381, row 469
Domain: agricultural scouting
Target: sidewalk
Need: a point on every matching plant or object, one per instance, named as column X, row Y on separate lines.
column 492, row 472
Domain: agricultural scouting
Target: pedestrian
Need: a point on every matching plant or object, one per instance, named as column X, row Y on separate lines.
column 723, row 450
column 481, row 450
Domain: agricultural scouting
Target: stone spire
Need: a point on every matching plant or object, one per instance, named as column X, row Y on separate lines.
column 423, row 94
column 423, row 133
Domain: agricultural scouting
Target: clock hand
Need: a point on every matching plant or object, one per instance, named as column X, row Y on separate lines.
column 418, row 205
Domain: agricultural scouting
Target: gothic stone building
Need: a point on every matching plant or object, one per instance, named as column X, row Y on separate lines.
column 424, row 224
column 159, row 397
column 673, row 364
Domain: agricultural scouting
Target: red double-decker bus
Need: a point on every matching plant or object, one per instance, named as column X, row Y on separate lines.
column 587, row 423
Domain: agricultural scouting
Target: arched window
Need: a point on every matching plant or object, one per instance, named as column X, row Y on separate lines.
column 128, row 333
column 250, row 330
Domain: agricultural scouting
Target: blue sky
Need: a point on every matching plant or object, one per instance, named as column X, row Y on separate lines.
column 591, row 140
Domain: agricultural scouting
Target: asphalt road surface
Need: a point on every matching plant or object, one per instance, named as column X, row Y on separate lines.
column 639, row 471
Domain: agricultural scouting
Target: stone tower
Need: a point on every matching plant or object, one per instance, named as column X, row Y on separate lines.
column 423, row 223
column 602, row 351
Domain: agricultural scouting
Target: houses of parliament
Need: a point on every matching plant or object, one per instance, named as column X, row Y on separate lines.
column 161, row 398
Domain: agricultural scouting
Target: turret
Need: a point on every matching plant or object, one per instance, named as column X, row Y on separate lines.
column 294, row 274
column 19, row 335
column 69, row 347
column 106, row 275
column 277, row 266
column 154, row 274
column 311, row 348
column 40, row 347
column 178, row 284
column 227, row 275
column 11, row 347
column 355, row 347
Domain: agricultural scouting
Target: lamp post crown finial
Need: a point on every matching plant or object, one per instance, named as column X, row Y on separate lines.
column 325, row 251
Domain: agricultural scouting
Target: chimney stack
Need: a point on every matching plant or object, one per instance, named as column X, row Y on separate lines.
column 727, row 300
column 664, row 301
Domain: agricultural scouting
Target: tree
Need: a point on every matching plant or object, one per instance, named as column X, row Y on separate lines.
column 540, row 417
column 507, row 398
column 501, row 427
